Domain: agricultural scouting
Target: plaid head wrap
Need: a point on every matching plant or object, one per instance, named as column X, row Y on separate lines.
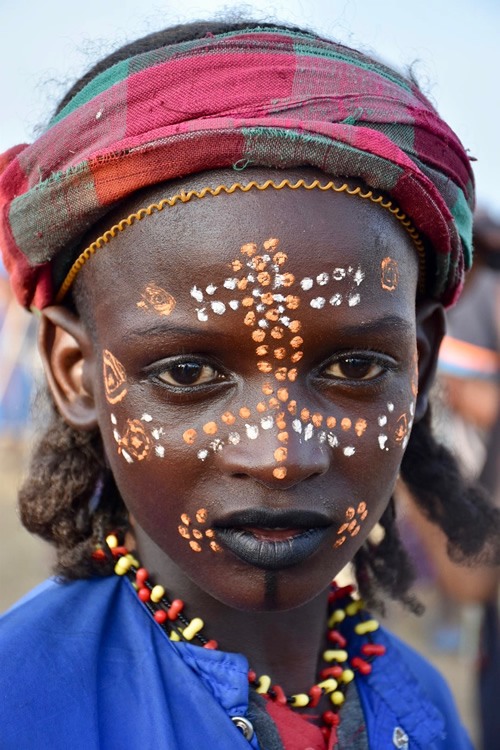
column 264, row 97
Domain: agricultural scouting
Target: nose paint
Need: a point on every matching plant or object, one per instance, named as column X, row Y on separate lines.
column 268, row 309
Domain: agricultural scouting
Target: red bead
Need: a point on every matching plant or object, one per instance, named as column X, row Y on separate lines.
column 99, row 554
column 141, row 576
column 331, row 718
column 315, row 694
column 211, row 644
column 335, row 637
column 144, row 594
column 361, row 665
column 373, row 649
column 160, row 616
column 174, row 609
column 119, row 551
column 326, row 733
column 279, row 695
column 335, row 672
column 252, row 676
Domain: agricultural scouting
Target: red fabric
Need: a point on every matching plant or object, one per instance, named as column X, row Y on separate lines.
column 295, row 731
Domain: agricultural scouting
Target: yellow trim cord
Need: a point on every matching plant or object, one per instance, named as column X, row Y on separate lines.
column 185, row 197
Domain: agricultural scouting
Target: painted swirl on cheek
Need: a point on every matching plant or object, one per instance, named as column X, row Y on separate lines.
column 115, row 378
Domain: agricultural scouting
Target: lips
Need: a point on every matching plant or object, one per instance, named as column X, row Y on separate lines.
column 272, row 540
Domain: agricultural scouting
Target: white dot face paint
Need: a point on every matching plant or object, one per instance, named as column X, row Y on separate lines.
column 197, row 294
column 218, row 308
column 318, row 303
column 307, row 284
column 350, row 450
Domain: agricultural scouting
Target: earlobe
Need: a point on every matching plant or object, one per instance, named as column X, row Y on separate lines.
column 431, row 327
column 67, row 355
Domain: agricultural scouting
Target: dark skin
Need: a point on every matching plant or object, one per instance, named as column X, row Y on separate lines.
column 182, row 372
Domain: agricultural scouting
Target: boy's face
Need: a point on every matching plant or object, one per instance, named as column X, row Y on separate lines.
column 254, row 371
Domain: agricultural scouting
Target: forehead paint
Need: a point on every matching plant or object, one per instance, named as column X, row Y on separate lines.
column 115, row 378
column 389, row 274
column 354, row 517
column 261, row 295
column 157, row 299
column 198, row 538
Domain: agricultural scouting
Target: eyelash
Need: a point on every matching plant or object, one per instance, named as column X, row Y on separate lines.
column 371, row 359
column 386, row 364
column 200, row 362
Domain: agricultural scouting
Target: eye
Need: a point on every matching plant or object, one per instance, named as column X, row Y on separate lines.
column 353, row 367
column 189, row 373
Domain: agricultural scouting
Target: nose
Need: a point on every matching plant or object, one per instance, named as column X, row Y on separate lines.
column 276, row 460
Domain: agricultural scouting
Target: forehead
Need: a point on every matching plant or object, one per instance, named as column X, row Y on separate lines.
column 197, row 243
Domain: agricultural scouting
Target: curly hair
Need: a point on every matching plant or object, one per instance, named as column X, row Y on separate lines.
column 70, row 499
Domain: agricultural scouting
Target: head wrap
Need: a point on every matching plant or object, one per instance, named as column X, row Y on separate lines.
column 266, row 97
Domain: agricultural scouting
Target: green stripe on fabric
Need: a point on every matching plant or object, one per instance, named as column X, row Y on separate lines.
column 313, row 51
column 463, row 219
column 101, row 83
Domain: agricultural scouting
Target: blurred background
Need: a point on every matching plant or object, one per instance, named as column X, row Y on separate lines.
column 452, row 48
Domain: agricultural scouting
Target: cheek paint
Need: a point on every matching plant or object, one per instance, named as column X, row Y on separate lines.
column 198, row 539
column 115, row 378
column 354, row 517
column 156, row 298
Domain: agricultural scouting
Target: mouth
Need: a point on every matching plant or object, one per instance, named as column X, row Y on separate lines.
column 273, row 540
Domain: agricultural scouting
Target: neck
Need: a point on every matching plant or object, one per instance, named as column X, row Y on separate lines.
column 286, row 645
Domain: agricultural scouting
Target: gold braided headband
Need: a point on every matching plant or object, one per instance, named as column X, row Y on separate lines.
column 185, row 197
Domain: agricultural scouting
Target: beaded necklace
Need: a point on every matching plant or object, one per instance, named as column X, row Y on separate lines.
column 335, row 677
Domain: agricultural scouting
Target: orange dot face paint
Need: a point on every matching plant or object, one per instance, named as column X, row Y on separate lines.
column 199, row 539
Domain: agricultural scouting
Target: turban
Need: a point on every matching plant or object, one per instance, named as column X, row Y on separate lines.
column 264, row 97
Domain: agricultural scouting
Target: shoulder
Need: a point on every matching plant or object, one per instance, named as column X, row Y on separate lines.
column 406, row 692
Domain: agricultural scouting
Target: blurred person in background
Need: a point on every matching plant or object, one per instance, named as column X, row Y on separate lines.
column 467, row 417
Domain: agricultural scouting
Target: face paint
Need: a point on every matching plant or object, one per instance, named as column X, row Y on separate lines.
column 157, row 299
column 389, row 274
column 354, row 517
column 199, row 539
column 115, row 378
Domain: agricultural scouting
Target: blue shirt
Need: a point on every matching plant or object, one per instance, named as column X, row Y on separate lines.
column 84, row 666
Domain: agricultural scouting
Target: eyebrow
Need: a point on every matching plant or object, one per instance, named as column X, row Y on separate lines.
column 380, row 326
column 165, row 329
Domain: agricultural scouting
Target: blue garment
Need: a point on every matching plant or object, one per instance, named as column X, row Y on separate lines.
column 84, row 666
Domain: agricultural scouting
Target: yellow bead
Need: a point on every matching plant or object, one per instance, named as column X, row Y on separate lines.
column 157, row 593
column 335, row 655
column 337, row 698
column 264, row 684
column 347, row 676
column 300, row 700
column 111, row 541
column 370, row 626
column 337, row 616
column 133, row 560
column 122, row 566
column 194, row 627
column 174, row 636
column 328, row 685
column 354, row 607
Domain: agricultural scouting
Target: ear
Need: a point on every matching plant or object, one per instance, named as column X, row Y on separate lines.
column 431, row 327
column 67, row 355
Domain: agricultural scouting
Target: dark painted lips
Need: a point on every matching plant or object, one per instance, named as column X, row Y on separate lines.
column 272, row 540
